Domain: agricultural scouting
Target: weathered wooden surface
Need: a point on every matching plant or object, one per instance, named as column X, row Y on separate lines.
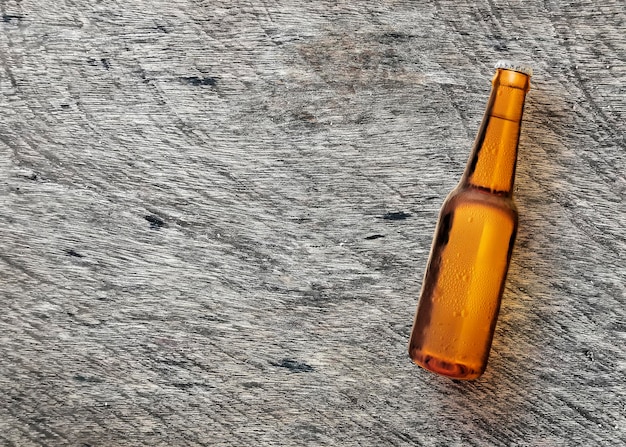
column 216, row 215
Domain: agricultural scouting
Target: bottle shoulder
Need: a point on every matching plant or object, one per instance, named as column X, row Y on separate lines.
column 476, row 197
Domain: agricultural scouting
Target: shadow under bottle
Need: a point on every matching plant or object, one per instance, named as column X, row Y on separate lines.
column 471, row 251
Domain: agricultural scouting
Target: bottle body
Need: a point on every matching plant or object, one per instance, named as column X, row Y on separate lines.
column 469, row 259
column 463, row 284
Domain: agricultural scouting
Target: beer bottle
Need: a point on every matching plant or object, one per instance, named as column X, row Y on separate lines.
column 464, row 280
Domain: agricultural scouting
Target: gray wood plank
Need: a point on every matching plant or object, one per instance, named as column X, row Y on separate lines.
column 216, row 216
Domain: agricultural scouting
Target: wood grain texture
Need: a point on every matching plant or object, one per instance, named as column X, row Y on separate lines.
column 216, row 215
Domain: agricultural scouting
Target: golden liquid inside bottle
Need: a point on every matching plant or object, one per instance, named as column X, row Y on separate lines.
column 464, row 281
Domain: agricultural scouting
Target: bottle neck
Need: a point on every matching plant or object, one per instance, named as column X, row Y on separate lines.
column 491, row 167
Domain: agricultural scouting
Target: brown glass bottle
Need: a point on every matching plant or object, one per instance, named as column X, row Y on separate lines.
column 464, row 280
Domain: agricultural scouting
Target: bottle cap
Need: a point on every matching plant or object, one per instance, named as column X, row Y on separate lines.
column 514, row 66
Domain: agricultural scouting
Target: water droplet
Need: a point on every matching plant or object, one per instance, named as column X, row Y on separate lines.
column 470, row 219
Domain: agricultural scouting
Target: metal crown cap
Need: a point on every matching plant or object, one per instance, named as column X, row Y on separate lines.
column 514, row 66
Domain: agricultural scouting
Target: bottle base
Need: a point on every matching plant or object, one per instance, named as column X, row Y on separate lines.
column 453, row 370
